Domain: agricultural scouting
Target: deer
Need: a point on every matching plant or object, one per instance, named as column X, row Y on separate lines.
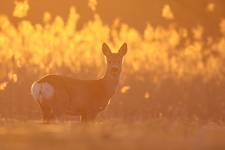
column 60, row 95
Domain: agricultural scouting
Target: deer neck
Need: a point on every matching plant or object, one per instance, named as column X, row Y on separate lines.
column 110, row 82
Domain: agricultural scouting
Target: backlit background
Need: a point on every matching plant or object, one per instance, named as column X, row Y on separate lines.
column 174, row 67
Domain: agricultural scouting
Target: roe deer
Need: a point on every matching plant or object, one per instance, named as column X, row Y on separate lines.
column 59, row 95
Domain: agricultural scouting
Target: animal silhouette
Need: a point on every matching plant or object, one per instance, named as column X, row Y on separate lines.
column 58, row 95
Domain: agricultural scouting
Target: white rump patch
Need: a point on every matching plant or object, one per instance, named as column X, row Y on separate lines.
column 42, row 91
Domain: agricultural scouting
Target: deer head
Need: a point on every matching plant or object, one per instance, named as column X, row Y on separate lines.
column 114, row 60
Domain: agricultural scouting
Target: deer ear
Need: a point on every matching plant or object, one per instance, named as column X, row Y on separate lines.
column 105, row 49
column 123, row 49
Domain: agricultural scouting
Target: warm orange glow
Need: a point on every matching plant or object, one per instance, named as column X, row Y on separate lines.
column 12, row 76
column 125, row 89
column 210, row 7
column 147, row 95
column 165, row 89
column 92, row 4
column 3, row 85
column 21, row 8
column 167, row 12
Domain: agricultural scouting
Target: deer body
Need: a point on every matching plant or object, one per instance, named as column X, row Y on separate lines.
column 59, row 95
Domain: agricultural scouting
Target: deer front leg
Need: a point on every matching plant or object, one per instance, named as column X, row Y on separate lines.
column 87, row 117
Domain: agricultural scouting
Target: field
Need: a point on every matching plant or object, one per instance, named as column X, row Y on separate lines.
column 171, row 92
column 113, row 134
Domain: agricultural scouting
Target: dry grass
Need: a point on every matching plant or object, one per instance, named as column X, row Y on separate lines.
column 113, row 134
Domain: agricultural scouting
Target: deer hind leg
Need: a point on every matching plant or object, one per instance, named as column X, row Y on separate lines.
column 43, row 93
column 60, row 105
column 48, row 114
column 59, row 114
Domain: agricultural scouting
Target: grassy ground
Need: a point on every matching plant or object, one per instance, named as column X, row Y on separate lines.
column 158, row 134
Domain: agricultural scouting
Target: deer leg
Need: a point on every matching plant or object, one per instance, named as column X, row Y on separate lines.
column 47, row 113
column 59, row 110
column 60, row 104
column 87, row 117
column 59, row 114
